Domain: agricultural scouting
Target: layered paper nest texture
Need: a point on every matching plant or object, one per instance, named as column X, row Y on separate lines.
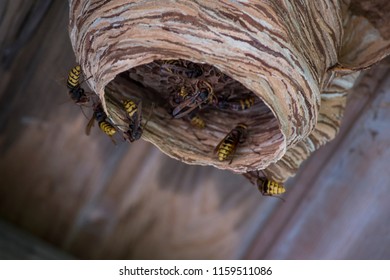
column 298, row 58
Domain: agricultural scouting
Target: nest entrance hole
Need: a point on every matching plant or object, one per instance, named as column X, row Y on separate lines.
column 163, row 85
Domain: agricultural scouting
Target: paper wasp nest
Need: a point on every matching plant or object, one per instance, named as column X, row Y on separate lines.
column 297, row 58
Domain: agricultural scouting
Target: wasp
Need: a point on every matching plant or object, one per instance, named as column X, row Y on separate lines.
column 134, row 112
column 269, row 188
column 177, row 67
column 179, row 97
column 76, row 92
column 101, row 117
column 194, row 71
column 236, row 104
column 131, row 108
column 197, row 121
column 228, row 145
column 201, row 96
column 135, row 128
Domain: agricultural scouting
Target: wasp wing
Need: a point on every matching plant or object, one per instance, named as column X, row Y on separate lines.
column 90, row 124
column 189, row 102
column 138, row 119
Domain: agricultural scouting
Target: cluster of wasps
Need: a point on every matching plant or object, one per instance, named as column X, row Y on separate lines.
column 226, row 148
column 80, row 97
column 193, row 94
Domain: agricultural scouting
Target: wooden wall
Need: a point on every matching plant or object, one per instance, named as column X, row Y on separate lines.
column 96, row 200
column 16, row 244
column 338, row 206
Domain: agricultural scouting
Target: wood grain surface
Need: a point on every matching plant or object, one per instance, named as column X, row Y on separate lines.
column 96, row 200
column 16, row 244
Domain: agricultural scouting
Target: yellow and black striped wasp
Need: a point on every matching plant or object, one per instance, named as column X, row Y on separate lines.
column 228, row 145
column 202, row 95
column 76, row 92
column 101, row 118
column 179, row 97
column 134, row 115
column 269, row 188
column 197, row 121
column 237, row 104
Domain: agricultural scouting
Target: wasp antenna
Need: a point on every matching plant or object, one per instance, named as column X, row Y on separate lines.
column 86, row 79
column 253, row 150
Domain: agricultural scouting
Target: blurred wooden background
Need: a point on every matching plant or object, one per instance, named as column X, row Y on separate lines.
column 95, row 200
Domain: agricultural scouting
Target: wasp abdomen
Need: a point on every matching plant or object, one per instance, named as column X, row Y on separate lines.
column 107, row 128
column 76, row 92
column 228, row 145
column 130, row 107
column 247, row 103
column 237, row 104
column 74, row 77
column 269, row 187
column 198, row 122
column 226, row 148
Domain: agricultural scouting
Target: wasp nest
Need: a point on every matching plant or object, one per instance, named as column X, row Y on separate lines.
column 281, row 68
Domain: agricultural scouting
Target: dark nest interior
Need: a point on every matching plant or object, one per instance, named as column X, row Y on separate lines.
column 187, row 109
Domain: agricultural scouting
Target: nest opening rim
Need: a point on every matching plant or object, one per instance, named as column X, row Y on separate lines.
column 198, row 147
